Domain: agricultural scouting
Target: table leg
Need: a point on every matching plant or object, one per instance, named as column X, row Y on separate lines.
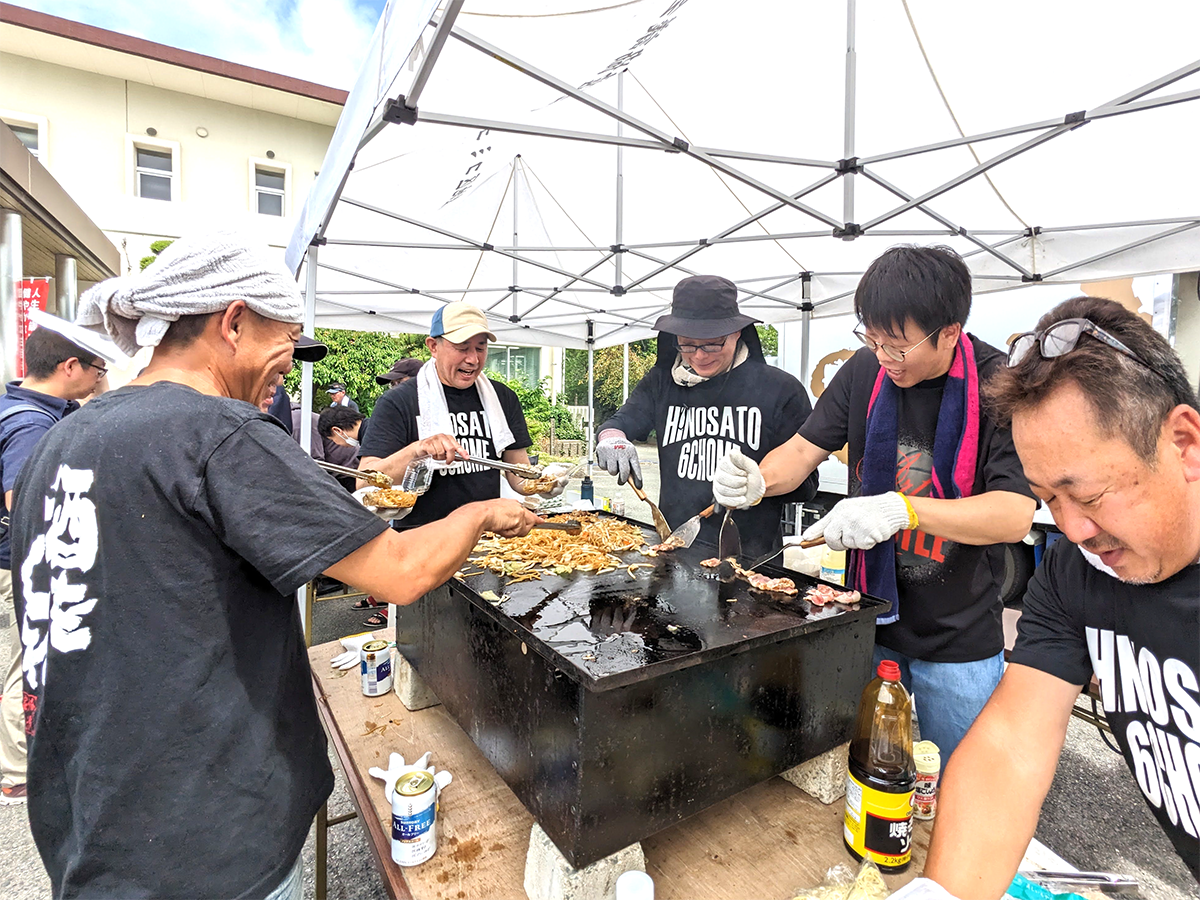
column 322, row 852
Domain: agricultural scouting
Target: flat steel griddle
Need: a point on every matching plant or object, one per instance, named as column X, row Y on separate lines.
column 611, row 629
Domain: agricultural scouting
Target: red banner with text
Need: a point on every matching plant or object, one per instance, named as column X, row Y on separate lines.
column 32, row 293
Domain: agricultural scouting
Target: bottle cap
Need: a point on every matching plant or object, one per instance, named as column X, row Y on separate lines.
column 889, row 670
column 927, row 757
column 635, row 885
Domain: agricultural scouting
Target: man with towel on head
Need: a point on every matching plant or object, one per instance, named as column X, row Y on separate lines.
column 158, row 541
column 448, row 412
column 935, row 486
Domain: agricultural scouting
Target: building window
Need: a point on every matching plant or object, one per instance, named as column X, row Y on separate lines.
column 268, row 190
column 154, row 174
column 152, row 168
column 521, row 364
column 30, row 131
column 270, row 186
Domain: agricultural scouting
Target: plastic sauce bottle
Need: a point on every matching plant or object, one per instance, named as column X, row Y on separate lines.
column 833, row 566
column 879, row 786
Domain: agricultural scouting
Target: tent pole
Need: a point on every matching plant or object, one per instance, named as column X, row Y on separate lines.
column 851, row 87
column 306, row 398
column 591, row 429
column 805, row 323
column 621, row 224
column 516, row 186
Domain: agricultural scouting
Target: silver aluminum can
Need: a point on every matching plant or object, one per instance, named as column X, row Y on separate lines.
column 375, row 665
column 414, row 818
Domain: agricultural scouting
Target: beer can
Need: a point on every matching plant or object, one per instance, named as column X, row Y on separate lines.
column 414, row 818
column 375, row 665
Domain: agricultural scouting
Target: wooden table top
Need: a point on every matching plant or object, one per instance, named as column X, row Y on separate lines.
column 768, row 842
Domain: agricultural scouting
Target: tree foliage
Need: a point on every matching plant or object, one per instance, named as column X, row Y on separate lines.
column 354, row 359
column 540, row 412
column 156, row 248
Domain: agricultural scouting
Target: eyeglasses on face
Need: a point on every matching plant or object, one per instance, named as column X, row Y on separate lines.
column 892, row 352
column 101, row 369
column 1062, row 337
column 689, row 349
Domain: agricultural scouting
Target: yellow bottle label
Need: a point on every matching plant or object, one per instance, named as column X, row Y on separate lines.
column 878, row 824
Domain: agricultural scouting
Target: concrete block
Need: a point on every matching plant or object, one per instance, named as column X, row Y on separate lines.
column 413, row 692
column 548, row 875
column 824, row 776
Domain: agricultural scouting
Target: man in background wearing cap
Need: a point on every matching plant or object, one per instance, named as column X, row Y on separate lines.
column 400, row 372
column 935, row 485
column 59, row 375
column 450, row 411
column 710, row 392
column 306, row 350
column 160, row 540
column 338, row 397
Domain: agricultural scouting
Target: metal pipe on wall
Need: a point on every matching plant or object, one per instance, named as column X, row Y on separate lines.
column 11, row 271
column 66, row 286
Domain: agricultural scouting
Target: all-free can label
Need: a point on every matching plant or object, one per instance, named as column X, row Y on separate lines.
column 375, row 666
column 878, row 824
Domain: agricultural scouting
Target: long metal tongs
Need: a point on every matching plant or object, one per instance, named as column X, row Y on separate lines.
column 515, row 468
column 371, row 476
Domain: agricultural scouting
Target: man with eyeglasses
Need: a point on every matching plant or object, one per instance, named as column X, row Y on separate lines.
column 59, row 373
column 1108, row 430
column 935, row 486
column 710, row 392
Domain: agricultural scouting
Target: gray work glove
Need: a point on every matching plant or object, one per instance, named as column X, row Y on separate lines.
column 859, row 523
column 616, row 454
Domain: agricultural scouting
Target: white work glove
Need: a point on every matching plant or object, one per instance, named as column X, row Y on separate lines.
column 617, row 456
column 353, row 644
column 396, row 768
column 922, row 889
column 859, row 523
column 738, row 483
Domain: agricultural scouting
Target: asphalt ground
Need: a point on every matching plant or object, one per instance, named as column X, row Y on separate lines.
column 1094, row 816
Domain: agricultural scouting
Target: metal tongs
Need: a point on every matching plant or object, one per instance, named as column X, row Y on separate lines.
column 1097, row 881
column 371, row 476
column 515, row 468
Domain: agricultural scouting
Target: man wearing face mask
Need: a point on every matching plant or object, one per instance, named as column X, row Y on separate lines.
column 448, row 412
column 339, row 429
column 1108, row 430
column 710, row 392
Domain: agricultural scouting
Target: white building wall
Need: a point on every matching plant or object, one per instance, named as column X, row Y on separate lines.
column 89, row 117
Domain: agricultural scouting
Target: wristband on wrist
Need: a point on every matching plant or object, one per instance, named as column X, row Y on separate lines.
column 913, row 523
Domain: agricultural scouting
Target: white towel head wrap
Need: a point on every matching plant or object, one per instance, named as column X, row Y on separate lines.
column 193, row 276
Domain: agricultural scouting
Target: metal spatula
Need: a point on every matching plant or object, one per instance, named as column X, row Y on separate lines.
column 729, row 541
column 660, row 521
column 685, row 534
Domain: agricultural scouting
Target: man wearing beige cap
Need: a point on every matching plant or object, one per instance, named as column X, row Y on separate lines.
column 451, row 411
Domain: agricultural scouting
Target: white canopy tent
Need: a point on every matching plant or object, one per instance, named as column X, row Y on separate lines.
column 562, row 163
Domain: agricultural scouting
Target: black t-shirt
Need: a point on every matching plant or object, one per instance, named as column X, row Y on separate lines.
column 174, row 745
column 394, row 426
column 754, row 407
column 950, row 607
column 1142, row 641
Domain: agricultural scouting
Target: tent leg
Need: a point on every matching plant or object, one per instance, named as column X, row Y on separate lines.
column 848, row 135
column 303, row 598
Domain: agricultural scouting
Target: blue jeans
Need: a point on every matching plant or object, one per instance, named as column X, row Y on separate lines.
column 292, row 887
column 947, row 696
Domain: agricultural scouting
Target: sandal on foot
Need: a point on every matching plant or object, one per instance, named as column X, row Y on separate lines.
column 376, row 620
column 367, row 603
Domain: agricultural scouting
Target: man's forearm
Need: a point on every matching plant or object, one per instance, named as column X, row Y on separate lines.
column 394, row 465
column 785, row 468
column 402, row 567
column 995, row 782
column 995, row 517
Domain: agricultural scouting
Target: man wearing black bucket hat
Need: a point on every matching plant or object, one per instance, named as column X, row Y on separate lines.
column 710, row 392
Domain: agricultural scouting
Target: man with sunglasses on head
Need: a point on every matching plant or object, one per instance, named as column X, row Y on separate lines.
column 935, row 486
column 710, row 392
column 59, row 373
column 1108, row 430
